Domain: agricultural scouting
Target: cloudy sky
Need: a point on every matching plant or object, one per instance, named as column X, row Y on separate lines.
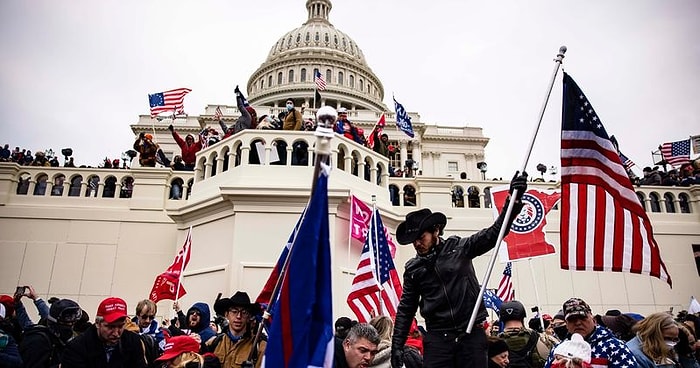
column 76, row 73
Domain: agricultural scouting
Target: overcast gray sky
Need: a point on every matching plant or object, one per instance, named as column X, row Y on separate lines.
column 76, row 73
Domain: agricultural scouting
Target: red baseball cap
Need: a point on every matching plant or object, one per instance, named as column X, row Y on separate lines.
column 112, row 309
column 177, row 345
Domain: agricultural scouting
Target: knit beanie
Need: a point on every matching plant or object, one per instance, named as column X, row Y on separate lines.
column 497, row 346
column 577, row 347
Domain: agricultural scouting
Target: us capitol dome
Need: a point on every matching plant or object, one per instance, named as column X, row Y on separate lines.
column 288, row 71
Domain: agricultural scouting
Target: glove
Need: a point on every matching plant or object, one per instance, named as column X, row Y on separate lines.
column 170, row 127
column 396, row 357
column 237, row 92
column 519, row 182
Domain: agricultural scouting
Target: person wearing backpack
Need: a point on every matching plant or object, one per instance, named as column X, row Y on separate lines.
column 527, row 349
column 43, row 344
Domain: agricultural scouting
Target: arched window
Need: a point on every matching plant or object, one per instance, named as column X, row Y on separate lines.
column 340, row 78
column 683, row 203
column 328, row 75
column 303, row 74
column 654, row 202
column 300, row 153
column 487, row 197
column 362, row 85
column 335, row 39
column 269, row 81
column 127, row 187
column 340, row 161
column 279, row 78
column 670, row 204
column 409, row 196
column 176, row 186
column 93, row 185
column 394, row 195
column 457, row 196
column 640, row 196
column 75, row 185
column 290, row 79
column 308, row 37
column 262, row 83
column 317, row 37
column 352, row 81
column 189, row 188
column 40, row 188
column 326, row 38
column 298, row 37
column 473, row 197
column 57, row 189
column 110, row 187
column 23, row 184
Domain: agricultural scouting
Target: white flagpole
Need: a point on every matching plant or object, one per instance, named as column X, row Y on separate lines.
column 375, row 250
column 537, row 293
column 558, row 61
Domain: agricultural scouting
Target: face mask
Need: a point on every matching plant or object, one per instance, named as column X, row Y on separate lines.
column 290, row 107
column 671, row 344
column 561, row 332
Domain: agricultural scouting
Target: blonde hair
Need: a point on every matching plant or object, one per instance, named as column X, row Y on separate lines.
column 650, row 334
column 186, row 358
column 146, row 303
column 384, row 326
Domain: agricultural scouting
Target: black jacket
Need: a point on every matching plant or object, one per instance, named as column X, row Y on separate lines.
column 87, row 351
column 41, row 347
column 444, row 285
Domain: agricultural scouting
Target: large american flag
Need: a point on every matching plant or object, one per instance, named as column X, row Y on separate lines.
column 172, row 100
column 320, row 82
column 505, row 290
column 676, row 153
column 364, row 297
column 603, row 225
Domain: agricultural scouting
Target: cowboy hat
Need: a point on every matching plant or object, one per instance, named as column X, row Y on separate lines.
column 416, row 223
column 239, row 299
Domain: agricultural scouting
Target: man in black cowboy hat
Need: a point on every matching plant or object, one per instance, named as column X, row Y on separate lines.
column 233, row 346
column 442, row 281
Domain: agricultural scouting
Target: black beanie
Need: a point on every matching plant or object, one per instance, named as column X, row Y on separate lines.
column 497, row 346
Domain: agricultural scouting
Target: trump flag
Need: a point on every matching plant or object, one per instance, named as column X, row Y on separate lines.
column 360, row 216
column 526, row 237
column 168, row 285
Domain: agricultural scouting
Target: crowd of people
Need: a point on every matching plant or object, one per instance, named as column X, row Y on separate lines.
column 688, row 174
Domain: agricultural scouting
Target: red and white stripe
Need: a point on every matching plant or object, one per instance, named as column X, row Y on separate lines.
column 603, row 225
column 365, row 292
column 174, row 100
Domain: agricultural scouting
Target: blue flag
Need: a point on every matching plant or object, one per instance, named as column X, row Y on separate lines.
column 492, row 301
column 301, row 333
column 403, row 121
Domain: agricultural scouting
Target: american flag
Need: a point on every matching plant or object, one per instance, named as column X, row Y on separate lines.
column 172, row 100
column 218, row 114
column 365, row 292
column 626, row 162
column 676, row 153
column 603, row 225
column 505, row 288
column 320, row 82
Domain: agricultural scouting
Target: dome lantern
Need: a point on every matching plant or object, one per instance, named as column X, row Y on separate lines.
column 318, row 11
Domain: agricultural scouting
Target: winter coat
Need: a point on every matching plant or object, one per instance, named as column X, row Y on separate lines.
column 383, row 357
column 445, row 285
column 293, row 120
column 232, row 354
column 188, row 152
column 203, row 329
column 87, row 351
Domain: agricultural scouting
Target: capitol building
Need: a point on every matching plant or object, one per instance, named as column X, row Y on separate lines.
column 87, row 233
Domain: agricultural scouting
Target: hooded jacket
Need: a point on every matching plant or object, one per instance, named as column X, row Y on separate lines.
column 202, row 328
column 188, row 152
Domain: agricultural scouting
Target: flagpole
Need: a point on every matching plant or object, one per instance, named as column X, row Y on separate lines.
column 558, row 61
column 375, row 251
column 537, row 293
column 325, row 117
column 182, row 267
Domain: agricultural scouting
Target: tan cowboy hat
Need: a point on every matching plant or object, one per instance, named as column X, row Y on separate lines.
column 416, row 223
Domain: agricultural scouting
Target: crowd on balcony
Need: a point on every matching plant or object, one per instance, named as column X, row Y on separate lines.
column 687, row 175
column 222, row 334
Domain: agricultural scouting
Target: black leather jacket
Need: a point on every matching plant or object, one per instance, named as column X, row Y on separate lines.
column 444, row 285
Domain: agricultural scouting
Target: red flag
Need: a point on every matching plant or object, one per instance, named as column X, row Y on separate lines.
column 505, row 290
column 167, row 282
column 603, row 225
column 360, row 217
column 526, row 237
column 370, row 284
column 379, row 128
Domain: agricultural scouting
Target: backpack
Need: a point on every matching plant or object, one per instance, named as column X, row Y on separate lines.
column 523, row 358
column 57, row 346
